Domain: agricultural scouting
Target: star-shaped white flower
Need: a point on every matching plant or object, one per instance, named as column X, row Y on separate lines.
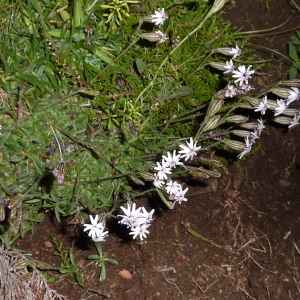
column 242, row 74
column 235, row 51
column 189, row 150
column 161, row 37
column 162, row 170
column 260, row 126
column 228, row 66
column 263, row 105
column 295, row 121
column 159, row 16
column 248, row 147
column 158, row 183
column 172, row 160
column 131, row 215
column 230, row 91
column 280, row 108
column 140, row 230
column 294, row 95
column 96, row 230
column 172, row 187
column 180, row 196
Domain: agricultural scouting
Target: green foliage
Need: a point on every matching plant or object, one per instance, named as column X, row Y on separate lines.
column 87, row 106
column 294, row 54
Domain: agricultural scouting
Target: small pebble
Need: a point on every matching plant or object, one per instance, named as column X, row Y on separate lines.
column 48, row 244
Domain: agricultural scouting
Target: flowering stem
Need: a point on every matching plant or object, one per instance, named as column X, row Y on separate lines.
column 212, row 10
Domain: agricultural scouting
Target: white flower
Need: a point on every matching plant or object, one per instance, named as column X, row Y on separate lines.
column 180, row 195
column 294, row 95
column 235, row 51
column 248, row 147
column 158, row 183
column 228, row 66
column 146, row 217
column 280, row 108
column 263, row 105
column 173, row 187
column 189, row 151
column 159, row 17
column 242, row 74
column 295, row 121
column 260, row 126
column 140, row 230
column 254, row 136
column 96, row 230
column 230, row 91
column 246, row 87
column 161, row 36
column 131, row 215
column 163, row 170
column 172, row 161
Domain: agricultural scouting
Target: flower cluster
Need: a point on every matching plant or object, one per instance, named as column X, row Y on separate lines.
column 59, row 173
column 163, row 169
column 138, row 220
column 158, row 19
column 290, row 116
column 96, row 229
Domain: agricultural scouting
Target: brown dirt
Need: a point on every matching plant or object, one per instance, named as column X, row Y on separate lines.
column 254, row 217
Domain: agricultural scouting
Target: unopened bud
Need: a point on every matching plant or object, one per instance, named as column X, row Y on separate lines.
column 218, row 66
column 282, row 120
column 214, row 107
column 291, row 112
column 147, row 176
column 242, row 133
column 251, row 101
column 237, row 119
column 281, row 92
column 272, row 104
column 235, row 145
column 156, row 36
column 292, row 83
column 249, row 125
column 211, row 123
column 164, row 197
column 136, row 180
column 218, row 4
column 220, row 95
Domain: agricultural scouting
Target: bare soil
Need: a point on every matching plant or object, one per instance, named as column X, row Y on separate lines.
column 251, row 221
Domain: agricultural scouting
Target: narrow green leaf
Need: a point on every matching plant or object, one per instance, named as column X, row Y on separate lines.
column 293, row 52
column 141, row 66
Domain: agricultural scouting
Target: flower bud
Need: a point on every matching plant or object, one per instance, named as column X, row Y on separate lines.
column 89, row 92
column 136, row 180
column 211, row 123
column 251, row 101
column 282, row 120
column 211, row 161
column 218, row 66
column 156, row 36
column 272, row 104
column 281, row 92
column 220, row 95
column 147, row 176
column 249, row 125
column 237, row 119
column 218, row 4
column 214, row 107
column 235, row 145
column 242, row 133
column 291, row 112
column 292, row 83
